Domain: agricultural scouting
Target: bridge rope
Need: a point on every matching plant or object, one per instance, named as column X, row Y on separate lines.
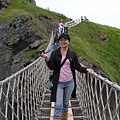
column 22, row 94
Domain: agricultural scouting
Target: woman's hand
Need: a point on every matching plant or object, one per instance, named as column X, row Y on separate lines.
column 90, row 70
column 44, row 56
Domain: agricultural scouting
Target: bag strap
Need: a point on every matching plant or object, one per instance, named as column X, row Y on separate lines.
column 60, row 67
column 63, row 61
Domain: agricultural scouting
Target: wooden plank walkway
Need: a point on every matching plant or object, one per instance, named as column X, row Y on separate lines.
column 70, row 114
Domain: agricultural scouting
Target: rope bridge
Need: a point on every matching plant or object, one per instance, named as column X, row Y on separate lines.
column 22, row 95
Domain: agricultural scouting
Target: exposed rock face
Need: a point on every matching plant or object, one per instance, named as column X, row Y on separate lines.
column 3, row 3
column 32, row 1
column 7, row 1
column 17, row 36
column 103, row 37
column 97, row 69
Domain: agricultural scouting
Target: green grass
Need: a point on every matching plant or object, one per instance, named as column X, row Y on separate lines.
column 22, row 6
column 34, row 53
column 86, row 41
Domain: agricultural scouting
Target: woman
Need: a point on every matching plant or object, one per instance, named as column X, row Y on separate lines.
column 64, row 82
column 60, row 27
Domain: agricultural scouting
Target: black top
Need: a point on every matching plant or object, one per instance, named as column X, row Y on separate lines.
column 56, row 39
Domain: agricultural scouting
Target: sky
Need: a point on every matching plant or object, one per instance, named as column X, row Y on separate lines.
column 105, row 12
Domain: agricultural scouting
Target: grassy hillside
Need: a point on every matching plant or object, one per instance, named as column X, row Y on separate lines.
column 17, row 7
column 86, row 41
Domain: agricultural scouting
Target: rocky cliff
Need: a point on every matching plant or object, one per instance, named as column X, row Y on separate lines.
column 7, row 1
column 4, row 3
column 32, row 1
column 23, row 33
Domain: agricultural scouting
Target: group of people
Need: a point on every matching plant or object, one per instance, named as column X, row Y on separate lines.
column 84, row 18
column 63, row 61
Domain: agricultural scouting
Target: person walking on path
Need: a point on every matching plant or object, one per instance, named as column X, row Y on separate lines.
column 55, row 44
column 60, row 27
column 64, row 80
column 82, row 18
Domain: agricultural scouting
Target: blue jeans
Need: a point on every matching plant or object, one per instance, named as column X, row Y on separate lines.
column 49, row 49
column 52, row 47
column 64, row 91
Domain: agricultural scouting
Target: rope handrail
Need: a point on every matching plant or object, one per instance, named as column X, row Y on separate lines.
column 99, row 98
column 114, row 84
column 72, row 23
